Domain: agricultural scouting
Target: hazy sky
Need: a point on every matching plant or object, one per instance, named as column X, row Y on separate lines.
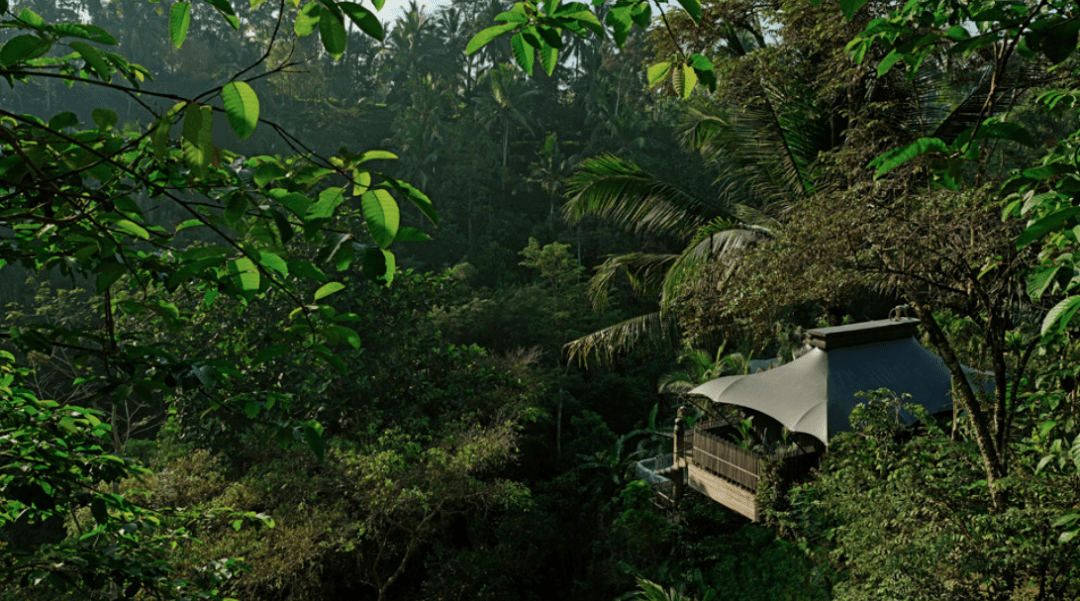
column 394, row 8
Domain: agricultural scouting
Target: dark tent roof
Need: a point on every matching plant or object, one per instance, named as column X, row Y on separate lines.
column 815, row 393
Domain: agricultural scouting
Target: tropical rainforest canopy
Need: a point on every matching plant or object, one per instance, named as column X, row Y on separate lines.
column 302, row 302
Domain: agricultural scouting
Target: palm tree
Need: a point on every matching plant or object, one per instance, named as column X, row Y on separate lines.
column 502, row 110
column 416, row 47
column 699, row 366
column 763, row 147
column 551, row 170
column 619, row 191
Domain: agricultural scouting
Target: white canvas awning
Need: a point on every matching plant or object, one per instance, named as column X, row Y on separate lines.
column 815, row 393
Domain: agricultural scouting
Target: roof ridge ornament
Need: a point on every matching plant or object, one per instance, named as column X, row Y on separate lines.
column 899, row 312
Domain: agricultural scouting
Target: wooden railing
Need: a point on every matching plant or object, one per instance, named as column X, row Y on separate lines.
column 726, row 459
column 743, row 467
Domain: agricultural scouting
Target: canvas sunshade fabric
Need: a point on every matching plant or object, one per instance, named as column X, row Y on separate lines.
column 815, row 393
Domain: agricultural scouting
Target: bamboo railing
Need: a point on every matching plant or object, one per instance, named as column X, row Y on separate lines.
column 726, row 459
column 741, row 466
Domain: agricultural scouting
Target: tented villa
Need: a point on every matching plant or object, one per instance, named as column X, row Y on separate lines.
column 811, row 398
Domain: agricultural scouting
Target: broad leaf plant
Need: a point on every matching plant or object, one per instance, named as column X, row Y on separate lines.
column 73, row 201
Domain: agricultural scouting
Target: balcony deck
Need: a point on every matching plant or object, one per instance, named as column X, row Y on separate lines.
column 724, row 471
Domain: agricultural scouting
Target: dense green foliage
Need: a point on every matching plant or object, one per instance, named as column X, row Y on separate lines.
column 244, row 357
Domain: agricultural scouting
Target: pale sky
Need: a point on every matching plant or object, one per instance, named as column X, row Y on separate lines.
column 394, row 8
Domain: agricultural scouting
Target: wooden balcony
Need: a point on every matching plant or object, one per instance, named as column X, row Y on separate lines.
column 729, row 474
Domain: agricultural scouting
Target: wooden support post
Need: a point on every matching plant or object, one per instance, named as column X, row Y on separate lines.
column 678, row 481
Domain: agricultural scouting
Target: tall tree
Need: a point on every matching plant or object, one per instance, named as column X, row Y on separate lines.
column 504, row 109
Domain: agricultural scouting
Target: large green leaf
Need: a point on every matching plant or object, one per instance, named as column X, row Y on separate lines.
column 313, row 436
column 364, row 19
column 1039, row 228
column 382, row 216
column 241, row 107
column 481, row 39
column 377, row 155
column 266, row 173
column 84, row 31
column 1060, row 41
column 339, row 333
column 105, row 119
column 1008, row 130
column 1040, row 280
column 273, row 261
column 549, row 58
column 131, row 228
column 65, row 119
column 298, row 204
column 23, row 48
column 198, row 138
column 379, row 265
column 417, row 198
column 704, row 70
column 887, row 63
column 551, row 36
column 338, row 250
column 1059, row 317
column 179, row 21
column 107, row 273
column 524, row 54
column 307, row 21
column 244, row 275
column 693, row 8
column 236, row 208
column 411, row 234
column 512, row 16
column 642, row 15
column 658, row 72
column 620, row 20
column 585, row 19
column 285, row 229
column 31, row 19
column 333, row 35
column 329, row 200
column 306, row 269
column 159, row 138
column 849, row 7
column 327, row 289
column 684, row 80
column 893, row 159
column 94, row 59
column 225, row 9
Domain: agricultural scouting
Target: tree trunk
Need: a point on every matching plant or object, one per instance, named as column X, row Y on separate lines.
column 506, row 142
column 984, row 437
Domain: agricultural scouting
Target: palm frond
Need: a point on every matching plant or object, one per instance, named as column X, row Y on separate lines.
column 645, row 272
column 677, row 382
column 718, row 241
column 985, row 99
column 768, row 150
column 652, row 330
column 619, row 191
